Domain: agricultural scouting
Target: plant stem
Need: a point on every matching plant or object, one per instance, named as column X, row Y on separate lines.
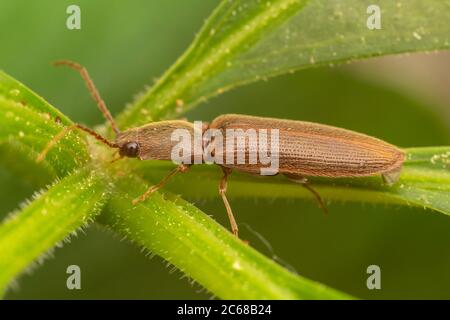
column 202, row 249
column 28, row 235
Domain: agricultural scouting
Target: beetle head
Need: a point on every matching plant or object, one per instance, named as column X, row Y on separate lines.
column 129, row 149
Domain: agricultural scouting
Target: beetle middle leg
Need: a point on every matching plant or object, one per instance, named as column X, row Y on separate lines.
column 304, row 183
column 222, row 192
column 143, row 197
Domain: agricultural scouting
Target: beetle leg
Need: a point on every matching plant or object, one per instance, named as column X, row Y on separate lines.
column 222, row 192
column 304, row 183
column 143, row 197
column 391, row 177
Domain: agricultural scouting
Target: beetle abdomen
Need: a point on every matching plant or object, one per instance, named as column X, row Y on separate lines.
column 355, row 155
column 312, row 149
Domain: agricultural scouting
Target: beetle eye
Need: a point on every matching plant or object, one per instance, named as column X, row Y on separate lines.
column 131, row 149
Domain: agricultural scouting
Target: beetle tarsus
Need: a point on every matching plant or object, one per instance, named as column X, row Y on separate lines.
column 391, row 177
column 304, row 182
column 317, row 196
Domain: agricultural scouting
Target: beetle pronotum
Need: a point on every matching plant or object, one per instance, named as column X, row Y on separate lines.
column 305, row 149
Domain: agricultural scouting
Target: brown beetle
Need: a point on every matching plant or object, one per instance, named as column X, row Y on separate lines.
column 304, row 149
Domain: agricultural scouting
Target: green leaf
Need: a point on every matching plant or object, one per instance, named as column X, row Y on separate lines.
column 201, row 248
column 329, row 32
column 14, row 91
column 27, row 124
column 424, row 182
column 426, row 179
column 232, row 28
column 29, row 234
column 246, row 41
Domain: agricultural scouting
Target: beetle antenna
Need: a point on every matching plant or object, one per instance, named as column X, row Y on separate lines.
column 92, row 89
column 65, row 131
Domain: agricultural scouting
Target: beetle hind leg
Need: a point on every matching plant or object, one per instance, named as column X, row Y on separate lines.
column 305, row 184
column 391, row 177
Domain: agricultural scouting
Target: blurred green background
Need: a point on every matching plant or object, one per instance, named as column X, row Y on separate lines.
column 127, row 44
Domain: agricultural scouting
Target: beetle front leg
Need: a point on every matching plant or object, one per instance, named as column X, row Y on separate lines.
column 222, row 192
column 143, row 197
